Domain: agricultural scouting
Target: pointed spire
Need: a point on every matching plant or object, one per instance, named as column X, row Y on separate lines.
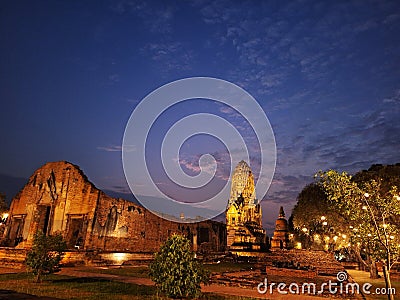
column 281, row 212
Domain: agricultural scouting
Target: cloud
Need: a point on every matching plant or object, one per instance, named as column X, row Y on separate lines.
column 117, row 148
column 156, row 16
column 169, row 56
column 223, row 159
column 114, row 78
column 110, row 148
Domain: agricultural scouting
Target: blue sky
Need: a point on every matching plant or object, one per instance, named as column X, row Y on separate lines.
column 326, row 73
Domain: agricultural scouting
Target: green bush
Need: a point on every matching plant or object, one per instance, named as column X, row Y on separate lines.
column 46, row 254
column 175, row 270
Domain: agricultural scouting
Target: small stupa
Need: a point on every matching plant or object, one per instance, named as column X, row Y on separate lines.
column 280, row 240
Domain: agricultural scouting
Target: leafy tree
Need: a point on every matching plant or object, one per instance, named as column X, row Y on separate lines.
column 46, row 254
column 315, row 223
column 371, row 207
column 175, row 270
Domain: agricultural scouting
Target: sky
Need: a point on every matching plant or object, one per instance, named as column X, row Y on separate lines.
column 326, row 74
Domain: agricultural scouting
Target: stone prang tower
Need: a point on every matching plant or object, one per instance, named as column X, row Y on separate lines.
column 243, row 214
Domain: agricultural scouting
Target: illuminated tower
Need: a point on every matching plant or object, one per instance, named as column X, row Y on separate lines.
column 243, row 214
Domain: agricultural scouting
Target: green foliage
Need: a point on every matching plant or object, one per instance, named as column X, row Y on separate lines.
column 314, row 212
column 46, row 254
column 175, row 270
column 371, row 208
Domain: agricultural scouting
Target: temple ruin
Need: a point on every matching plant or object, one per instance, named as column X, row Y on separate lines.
column 59, row 198
column 244, row 215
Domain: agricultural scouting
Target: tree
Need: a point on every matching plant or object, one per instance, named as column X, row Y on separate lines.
column 175, row 270
column 372, row 208
column 46, row 254
column 315, row 223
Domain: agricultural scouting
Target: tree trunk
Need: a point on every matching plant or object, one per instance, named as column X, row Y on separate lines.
column 363, row 264
column 388, row 283
column 38, row 277
column 373, row 270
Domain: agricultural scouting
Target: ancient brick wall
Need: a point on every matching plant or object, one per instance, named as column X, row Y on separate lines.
column 120, row 225
column 59, row 198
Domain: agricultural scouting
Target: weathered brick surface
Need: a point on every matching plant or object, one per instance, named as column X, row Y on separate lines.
column 59, row 198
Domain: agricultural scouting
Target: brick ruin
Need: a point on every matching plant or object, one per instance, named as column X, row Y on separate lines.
column 280, row 240
column 59, row 198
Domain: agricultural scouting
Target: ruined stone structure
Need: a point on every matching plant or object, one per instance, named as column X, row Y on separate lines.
column 243, row 214
column 280, row 240
column 59, row 198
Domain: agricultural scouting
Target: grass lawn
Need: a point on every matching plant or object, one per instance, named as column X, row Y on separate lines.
column 139, row 272
column 65, row 287
column 362, row 277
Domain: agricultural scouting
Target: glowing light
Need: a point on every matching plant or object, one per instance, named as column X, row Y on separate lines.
column 5, row 216
column 392, row 237
column 298, row 245
column 385, row 226
column 364, row 207
column 335, row 238
column 369, row 234
column 325, row 223
column 323, row 218
column 366, row 195
column 119, row 257
column 344, row 236
column 305, row 229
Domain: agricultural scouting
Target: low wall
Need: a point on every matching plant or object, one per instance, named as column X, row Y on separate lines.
column 12, row 257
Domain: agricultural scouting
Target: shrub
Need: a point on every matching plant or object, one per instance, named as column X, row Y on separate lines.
column 46, row 254
column 175, row 270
